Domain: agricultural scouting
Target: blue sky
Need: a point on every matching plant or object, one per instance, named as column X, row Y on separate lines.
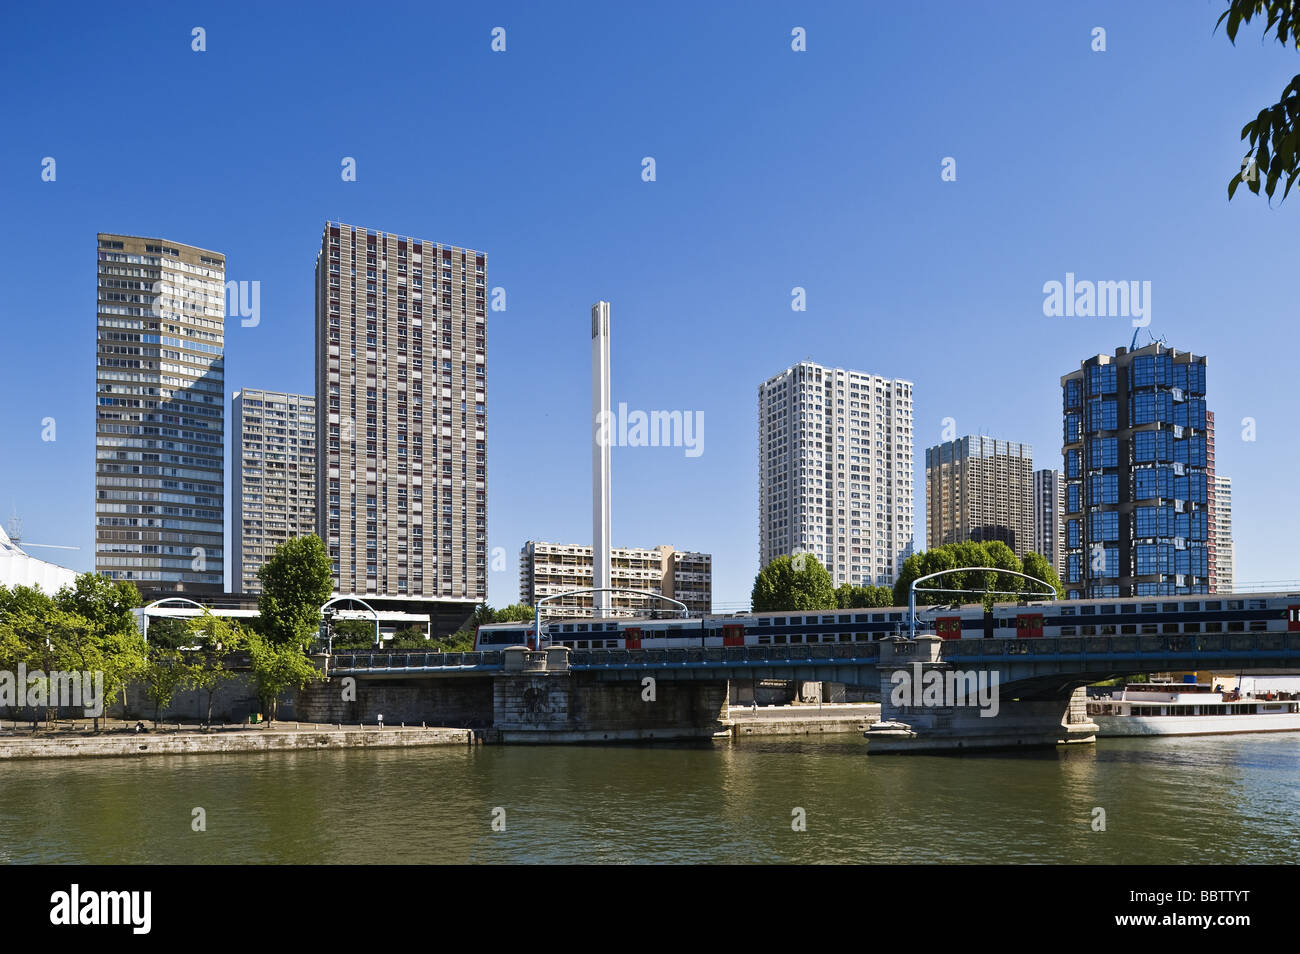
column 775, row 169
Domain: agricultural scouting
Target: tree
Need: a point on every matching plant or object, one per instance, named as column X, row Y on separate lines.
column 848, row 596
column 965, row 585
column 165, row 671
column 515, row 613
column 793, row 583
column 1274, row 133
column 1039, row 568
column 217, row 637
column 296, row 582
column 278, row 667
column 353, row 634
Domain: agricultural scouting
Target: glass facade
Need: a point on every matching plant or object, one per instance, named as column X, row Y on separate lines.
column 1136, row 455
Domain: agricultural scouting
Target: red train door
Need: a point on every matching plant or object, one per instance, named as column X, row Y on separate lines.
column 632, row 637
column 948, row 627
column 1293, row 619
column 1029, row 625
column 733, row 634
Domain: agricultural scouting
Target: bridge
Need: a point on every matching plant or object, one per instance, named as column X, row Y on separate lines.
column 558, row 694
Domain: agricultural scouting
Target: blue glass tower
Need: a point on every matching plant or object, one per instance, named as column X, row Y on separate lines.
column 1134, row 448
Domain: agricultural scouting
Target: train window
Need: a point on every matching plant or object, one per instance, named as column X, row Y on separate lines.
column 1214, row 605
column 861, row 637
column 1108, row 629
column 1087, row 630
column 1069, row 630
column 1258, row 604
column 567, row 628
column 846, row 619
column 828, row 619
column 1168, row 627
column 1067, row 610
column 1087, row 610
column 1235, row 605
column 1128, row 608
column 779, row 639
column 582, row 644
column 1191, row 627
column 1149, row 607
column 846, row 637
column 1169, row 607
column 764, row 621
column 1128, row 629
column 895, row 617
column 1258, row 625
column 582, row 628
column 1192, row 607
column 1236, row 626
column 778, row 621
column 1214, row 627
column 764, row 639
column 796, row 638
column 877, row 617
column 1107, row 610
column 862, row 618
column 1148, row 628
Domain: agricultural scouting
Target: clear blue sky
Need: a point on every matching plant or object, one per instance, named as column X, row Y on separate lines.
column 775, row 169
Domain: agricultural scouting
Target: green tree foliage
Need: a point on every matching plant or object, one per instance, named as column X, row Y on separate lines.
column 1273, row 136
column 793, row 583
column 515, row 613
column 165, row 671
column 1040, row 568
column 216, row 639
column 848, row 596
column 954, row 556
column 278, row 667
column 84, row 627
column 296, row 582
column 353, row 634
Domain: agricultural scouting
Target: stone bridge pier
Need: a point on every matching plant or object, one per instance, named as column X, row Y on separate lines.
column 538, row 699
column 929, row 705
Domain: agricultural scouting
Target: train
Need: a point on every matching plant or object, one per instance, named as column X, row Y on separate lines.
column 1227, row 613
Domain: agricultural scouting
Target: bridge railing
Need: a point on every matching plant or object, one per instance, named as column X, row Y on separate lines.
column 841, row 653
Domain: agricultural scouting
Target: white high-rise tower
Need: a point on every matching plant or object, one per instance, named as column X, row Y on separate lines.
column 602, row 434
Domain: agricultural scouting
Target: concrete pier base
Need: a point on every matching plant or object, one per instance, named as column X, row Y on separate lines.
column 921, row 712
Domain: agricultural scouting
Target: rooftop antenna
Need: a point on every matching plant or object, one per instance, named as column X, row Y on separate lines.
column 16, row 534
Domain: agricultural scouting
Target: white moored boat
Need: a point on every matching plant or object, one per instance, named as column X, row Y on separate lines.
column 1191, row 709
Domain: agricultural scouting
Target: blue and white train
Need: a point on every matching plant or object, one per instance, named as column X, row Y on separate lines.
column 1231, row 613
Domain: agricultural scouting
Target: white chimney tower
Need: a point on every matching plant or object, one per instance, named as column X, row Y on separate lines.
column 602, row 437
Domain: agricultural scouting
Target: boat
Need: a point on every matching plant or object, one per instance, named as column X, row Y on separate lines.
column 1173, row 708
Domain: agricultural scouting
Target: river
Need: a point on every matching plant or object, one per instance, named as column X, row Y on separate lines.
column 1226, row 799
